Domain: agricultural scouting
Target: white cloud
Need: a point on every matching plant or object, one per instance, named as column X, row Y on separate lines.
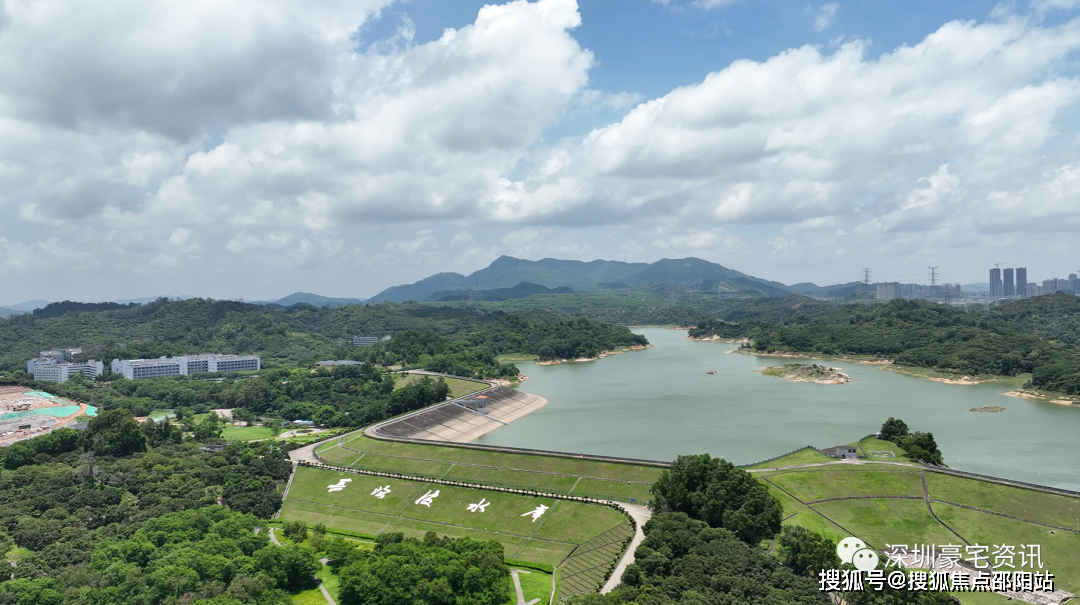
column 1049, row 5
column 710, row 243
column 161, row 131
column 805, row 135
column 708, row 4
column 826, row 15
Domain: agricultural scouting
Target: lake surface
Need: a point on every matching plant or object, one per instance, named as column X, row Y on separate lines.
column 659, row 403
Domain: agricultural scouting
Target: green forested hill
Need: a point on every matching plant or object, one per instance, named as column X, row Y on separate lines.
column 163, row 328
column 303, row 333
column 1007, row 340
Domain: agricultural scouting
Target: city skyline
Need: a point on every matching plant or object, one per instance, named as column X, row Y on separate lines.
column 271, row 147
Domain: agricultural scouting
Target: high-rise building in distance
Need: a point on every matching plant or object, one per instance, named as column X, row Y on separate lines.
column 1010, row 285
column 1021, row 282
column 995, row 283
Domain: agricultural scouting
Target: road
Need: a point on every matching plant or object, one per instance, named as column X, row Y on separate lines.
column 641, row 515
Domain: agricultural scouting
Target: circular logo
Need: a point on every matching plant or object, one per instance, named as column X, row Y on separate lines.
column 865, row 560
column 847, row 548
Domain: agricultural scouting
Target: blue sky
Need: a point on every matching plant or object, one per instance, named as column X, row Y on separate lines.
column 276, row 146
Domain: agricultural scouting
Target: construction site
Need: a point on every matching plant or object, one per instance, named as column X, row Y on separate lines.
column 25, row 414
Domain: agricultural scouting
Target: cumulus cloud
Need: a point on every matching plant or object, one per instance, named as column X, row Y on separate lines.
column 272, row 130
column 806, row 134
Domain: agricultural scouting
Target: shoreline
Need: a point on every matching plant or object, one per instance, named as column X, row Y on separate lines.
column 788, row 355
column 715, row 338
column 556, row 362
column 1035, row 396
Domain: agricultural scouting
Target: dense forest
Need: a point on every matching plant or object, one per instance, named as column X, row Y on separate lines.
column 1024, row 336
column 465, row 339
column 131, row 514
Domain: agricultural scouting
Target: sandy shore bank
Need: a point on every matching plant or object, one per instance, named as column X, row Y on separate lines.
column 788, row 355
column 601, row 356
column 1023, row 394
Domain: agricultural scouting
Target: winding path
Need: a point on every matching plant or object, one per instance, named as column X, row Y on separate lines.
column 641, row 515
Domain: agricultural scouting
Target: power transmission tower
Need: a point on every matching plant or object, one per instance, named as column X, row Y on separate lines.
column 866, row 283
column 933, row 283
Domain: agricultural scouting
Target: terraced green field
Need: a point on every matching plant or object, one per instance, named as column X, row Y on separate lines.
column 603, row 480
column 882, row 503
column 454, row 511
column 844, row 499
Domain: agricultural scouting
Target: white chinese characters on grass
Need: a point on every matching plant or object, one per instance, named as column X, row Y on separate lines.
column 478, row 507
column 426, row 499
column 380, row 492
column 337, row 487
column 536, row 513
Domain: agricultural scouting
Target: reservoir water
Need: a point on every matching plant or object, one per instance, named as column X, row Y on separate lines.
column 659, row 403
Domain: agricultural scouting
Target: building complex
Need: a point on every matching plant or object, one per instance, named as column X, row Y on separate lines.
column 50, row 368
column 1013, row 283
column 136, row 369
column 937, row 292
column 367, row 341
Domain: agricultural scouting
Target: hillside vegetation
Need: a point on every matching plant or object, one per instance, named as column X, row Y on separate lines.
column 457, row 338
column 1034, row 335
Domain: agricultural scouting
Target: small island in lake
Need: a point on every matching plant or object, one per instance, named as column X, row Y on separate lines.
column 989, row 408
column 801, row 372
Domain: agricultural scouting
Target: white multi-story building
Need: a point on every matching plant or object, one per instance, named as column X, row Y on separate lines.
column 48, row 369
column 136, row 369
column 367, row 341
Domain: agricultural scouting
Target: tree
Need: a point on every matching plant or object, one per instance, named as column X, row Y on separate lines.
column 714, row 491
column 921, row 447
column 683, row 561
column 295, row 530
column 209, row 428
column 807, row 552
column 114, row 433
column 893, row 428
column 437, row 571
column 291, row 567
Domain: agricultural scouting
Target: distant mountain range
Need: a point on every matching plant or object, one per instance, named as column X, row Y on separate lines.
column 509, row 278
column 522, row 290
column 508, row 272
column 307, row 298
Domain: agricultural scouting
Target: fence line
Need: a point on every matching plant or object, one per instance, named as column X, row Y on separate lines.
column 524, row 492
column 767, row 460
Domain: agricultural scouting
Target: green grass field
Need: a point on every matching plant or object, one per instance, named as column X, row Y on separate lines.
column 803, row 456
column 566, row 466
column 246, row 433
column 458, row 387
column 882, row 503
column 882, row 521
column 879, row 449
column 603, row 480
column 1026, row 504
column 851, row 481
column 534, row 585
column 505, row 518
